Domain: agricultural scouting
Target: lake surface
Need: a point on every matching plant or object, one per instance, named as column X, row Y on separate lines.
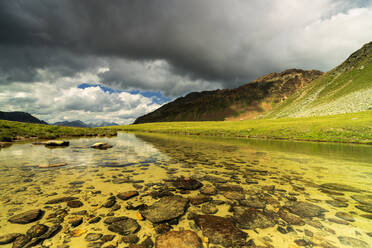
column 269, row 193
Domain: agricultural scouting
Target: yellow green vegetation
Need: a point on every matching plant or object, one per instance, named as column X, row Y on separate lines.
column 13, row 130
column 347, row 88
column 346, row 128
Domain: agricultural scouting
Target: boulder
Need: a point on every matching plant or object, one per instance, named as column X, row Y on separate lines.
column 57, row 143
column 101, row 145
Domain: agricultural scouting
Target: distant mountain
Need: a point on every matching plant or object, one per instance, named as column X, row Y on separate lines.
column 246, row 102
column 21, row 117
column 79, row 123
column 345, row 89
column 76, row 123
column 102, row 124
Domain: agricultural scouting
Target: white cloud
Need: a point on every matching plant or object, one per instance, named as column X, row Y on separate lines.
column 64, row 101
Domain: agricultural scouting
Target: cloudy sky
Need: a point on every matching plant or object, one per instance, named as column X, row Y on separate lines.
column 115, row 60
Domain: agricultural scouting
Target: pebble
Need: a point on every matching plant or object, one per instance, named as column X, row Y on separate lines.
column 93, row 236
column 27, row 217
column 75, row 204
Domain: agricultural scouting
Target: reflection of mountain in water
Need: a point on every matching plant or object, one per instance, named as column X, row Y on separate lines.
column 187, row 149
column 193, row 147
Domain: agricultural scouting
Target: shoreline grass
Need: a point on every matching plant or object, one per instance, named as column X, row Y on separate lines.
column 341, row 128
column 11, row 131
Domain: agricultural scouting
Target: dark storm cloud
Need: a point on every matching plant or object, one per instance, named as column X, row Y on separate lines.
column 207, row 42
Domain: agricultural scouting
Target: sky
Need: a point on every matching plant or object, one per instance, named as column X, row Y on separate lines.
column 116, row 60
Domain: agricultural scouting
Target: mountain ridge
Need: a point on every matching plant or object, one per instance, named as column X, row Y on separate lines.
column 75, row 123
column 244, row 102
column 347, row 88
column 20, row 117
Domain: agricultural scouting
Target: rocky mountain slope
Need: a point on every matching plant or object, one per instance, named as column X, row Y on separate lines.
column 345, row 89
column 20, row 116
column 246, row 102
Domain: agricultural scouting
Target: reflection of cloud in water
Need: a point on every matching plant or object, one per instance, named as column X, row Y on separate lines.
column 127, row 149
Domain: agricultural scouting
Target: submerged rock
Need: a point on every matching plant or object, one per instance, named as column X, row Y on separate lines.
column 111, row 201
column 363, row 199
column 345, row 216
column 353, row 242
column 130, row 239
column 365, row 208
column 167, row 208
column 52, row 165
column 339, row 187
column 199, row 199
column 220, row 230
column 93, row 237
column 125, row 227
column 208, row 190
column 8, row 238
column 209, row 208
column 37, row 230
column 75, row 204
column 187, row 183
column 290, row 218
column 305, row 209
column 234, row 195
column 337, row 204
column 250, row 218
column 21, row 241
column 180, row 239
column 61, row 199
column 51, row 232
column 127, row 195
column 27, row 217
column 75, row 221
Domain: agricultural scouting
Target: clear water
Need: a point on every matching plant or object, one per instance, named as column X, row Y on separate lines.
column 145, row 162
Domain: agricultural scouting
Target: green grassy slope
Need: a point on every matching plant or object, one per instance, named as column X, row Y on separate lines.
column 13, row 130
column 347, row 128
column 345, row 89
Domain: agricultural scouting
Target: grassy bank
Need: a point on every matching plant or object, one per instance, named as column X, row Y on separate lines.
column 13, row 130
column 345, row 128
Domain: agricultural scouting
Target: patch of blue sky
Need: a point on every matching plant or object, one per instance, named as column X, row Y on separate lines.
column 156, row 96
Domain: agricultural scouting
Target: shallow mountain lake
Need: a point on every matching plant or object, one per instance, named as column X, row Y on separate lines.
column 268, row 193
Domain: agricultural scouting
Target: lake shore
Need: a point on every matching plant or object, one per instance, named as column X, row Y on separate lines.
column 353, row 128
column 13, row 131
